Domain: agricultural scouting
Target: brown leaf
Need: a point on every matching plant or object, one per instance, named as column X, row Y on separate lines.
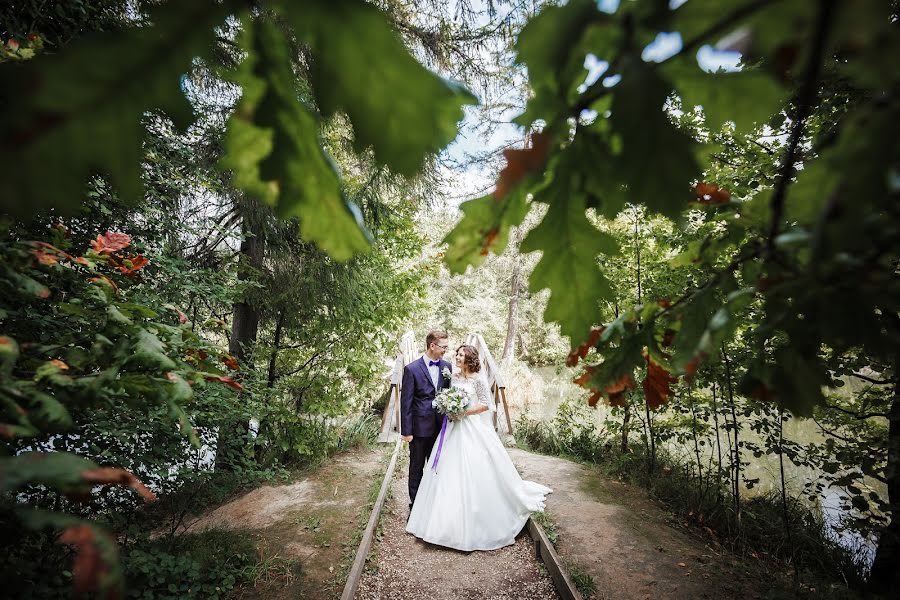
column 584, row 377
column 89, row 570
column 132, row 264
column 668, row 337
column 594, row 398
column 581, row 351
column 690, row 369
column 657, row 384
column 520, row 163
column 710, row 194
column 230, row 362
column 110, row 242
column 616, row 390
column 226, row 380
column 60, row 364
column 114, row 476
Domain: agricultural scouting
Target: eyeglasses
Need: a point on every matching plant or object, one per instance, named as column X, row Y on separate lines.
column 443, row 347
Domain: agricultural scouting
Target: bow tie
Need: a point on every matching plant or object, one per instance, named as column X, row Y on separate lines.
column 432, row 363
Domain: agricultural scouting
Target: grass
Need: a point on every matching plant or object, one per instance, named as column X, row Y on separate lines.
column 760, row 530
column 548, row 526
column 583, row 582
column 362, row 520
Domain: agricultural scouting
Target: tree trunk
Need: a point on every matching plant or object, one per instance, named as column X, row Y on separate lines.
column 244, row 327
column 279, row 323
column 626, row 421
column 512, row 320
column 885, row 574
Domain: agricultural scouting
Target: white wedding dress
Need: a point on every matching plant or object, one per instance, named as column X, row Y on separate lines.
column 475, row 499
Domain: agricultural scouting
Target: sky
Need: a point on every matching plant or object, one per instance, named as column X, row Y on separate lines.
column 472, row 181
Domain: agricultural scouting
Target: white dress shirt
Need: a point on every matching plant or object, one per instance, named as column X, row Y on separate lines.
column 433, row 370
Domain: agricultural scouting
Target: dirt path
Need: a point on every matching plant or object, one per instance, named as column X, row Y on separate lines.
column 308, row 528
column 618, row 536
column 402, row 566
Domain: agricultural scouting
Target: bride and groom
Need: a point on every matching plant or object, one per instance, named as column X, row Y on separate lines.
column 464, row 490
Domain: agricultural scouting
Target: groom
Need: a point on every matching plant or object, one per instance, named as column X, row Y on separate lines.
column 423, row 378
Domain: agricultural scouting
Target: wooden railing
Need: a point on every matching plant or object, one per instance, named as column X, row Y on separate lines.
column 408, row 351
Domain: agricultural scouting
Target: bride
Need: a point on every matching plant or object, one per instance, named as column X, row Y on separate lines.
column 471, row 496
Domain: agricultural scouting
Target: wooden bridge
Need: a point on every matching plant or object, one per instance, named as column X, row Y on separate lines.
column 408, row 350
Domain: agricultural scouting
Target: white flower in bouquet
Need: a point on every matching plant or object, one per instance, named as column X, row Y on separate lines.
column 451, row 402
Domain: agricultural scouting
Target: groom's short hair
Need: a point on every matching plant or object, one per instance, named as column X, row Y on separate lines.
column 433, row 336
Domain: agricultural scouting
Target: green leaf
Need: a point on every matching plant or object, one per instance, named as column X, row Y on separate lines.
column 83, row 107
column 9, row 353
column 694, row 319
column 150, row 352
column 60, row 470
column 657, row 160
column 568, row 267
column 361, row 67
column 554, row 62
column 484, row 228
column 306, row 178
column 747, row 98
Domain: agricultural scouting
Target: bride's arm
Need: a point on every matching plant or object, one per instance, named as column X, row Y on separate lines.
column 484, row 400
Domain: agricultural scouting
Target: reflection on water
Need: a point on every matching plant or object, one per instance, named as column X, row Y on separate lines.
column 550, row 386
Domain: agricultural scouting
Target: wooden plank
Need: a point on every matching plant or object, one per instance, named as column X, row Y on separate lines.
column 547, row 553
column 365, row 543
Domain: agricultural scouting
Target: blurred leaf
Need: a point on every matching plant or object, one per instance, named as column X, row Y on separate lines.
column 568, row 266
column 361, row 67
column 84, row 106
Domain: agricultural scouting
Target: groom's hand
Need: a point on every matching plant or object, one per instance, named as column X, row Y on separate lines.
column 406, row 438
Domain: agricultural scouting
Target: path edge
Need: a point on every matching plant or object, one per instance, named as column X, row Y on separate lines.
column 555, row 566
column 365, row 544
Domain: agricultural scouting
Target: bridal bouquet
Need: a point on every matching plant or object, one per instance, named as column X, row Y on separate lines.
column 451, row 402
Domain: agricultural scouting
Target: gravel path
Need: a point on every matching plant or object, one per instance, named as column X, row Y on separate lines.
column 402, row 566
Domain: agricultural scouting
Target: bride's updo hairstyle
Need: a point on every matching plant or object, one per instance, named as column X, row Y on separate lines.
column 473, row 365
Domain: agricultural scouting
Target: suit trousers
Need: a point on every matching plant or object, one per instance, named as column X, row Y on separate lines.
column 419, row 453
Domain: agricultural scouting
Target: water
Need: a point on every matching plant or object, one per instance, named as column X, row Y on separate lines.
column 550, row 386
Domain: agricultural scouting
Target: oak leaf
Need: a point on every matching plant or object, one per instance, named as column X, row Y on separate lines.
column 110, row 242
column 90, row 570
column 520, row 163
column 230, row 362
column 657, row 384
column 710, row 194
column 116, row 476
column 581, row 351
column 132, row 264
column 226, row 380
column 616, row 390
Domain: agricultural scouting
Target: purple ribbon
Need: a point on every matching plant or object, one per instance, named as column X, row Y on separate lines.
column 437, row 455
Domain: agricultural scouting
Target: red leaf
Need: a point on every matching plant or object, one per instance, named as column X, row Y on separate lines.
column 584, row 377
column 110, row 242
column 594, row 398
column 226, row 380
column 89, row 569
column 690, row 369
column 710, row 193
column 657, row 384
column 137, row 263
column 230, row 362
column 520, row 163
column 114, row 476
column 616, row 390
column 582, row 350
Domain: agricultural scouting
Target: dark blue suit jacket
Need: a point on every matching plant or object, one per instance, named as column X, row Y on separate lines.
column 417, row 416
